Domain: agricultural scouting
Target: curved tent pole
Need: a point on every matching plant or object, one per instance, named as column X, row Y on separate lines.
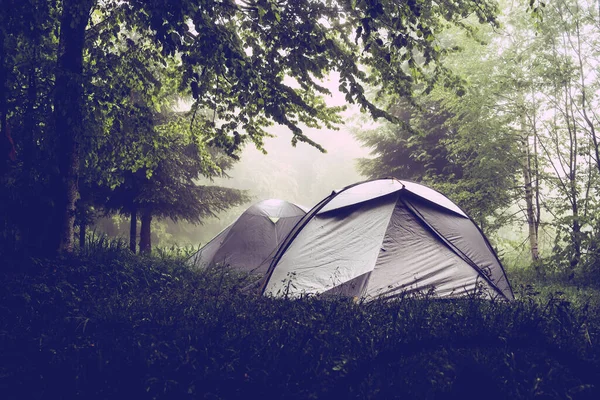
column 489, row 245
column 456, row 250
column 491, row 248
column 302, row 223
column 290, row 238
column 315, row 210
column 487, row 242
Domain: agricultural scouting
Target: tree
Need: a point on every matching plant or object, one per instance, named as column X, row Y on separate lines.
column 450, row 136
column 511, row 93
column 569, row 140
column 27, row 29
column 433, row 148
column 147, row 162
column 169, row 190
column 414, row 149
column 549, row 70
column 234, row 58
column 68, row 117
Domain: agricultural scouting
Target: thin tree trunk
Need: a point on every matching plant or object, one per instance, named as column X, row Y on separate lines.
column 531, row 220
column 68, row 117
column 145, row 232
column 573, row 153
column 82, row 232
column 575, row 226
column 30, row 124
column 529, row 193
column 536, row 171
column 133, row 230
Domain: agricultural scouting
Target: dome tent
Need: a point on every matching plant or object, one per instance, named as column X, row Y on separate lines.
column 249, row 243
column 382, row 238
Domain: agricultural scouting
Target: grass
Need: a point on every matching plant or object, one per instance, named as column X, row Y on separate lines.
column 108, row 324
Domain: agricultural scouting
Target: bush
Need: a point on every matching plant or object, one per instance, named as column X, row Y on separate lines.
column 109, row 324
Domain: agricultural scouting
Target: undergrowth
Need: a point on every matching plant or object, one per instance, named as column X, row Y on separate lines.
column 108, row 324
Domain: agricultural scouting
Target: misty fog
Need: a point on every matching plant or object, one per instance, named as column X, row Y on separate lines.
column 301, row 175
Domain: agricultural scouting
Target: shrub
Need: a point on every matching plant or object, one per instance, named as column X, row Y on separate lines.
column 109, row 324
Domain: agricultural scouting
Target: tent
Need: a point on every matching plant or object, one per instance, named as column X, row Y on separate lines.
column 249, row 243
column 383, row 238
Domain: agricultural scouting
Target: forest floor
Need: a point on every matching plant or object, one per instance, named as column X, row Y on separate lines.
column 108, row 324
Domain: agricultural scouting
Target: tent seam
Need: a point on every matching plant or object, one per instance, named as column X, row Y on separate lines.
column 452, row 247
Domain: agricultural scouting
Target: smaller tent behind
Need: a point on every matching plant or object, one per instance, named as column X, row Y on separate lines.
column 383, row 238
column 249, row 243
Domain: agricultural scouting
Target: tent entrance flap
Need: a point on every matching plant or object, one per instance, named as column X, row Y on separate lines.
column 488, row 267
column 413, row 259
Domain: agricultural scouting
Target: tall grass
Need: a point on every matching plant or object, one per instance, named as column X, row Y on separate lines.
column 108, row 324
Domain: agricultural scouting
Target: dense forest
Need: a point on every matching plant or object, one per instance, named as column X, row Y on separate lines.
column 130, row 129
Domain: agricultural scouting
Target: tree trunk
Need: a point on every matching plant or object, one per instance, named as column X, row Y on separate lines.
column 575, row 225
column 68, row 119
column 38, row 225
column 532, row 222
column 145, row 232
column 82, row 232
column 572, row 176
column 133, row 230
column 576, row 238
column 3, row 109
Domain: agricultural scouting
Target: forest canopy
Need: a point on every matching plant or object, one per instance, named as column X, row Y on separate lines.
column 87, row 85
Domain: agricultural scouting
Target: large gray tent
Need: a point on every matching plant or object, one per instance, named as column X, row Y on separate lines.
column 249, row 243
column 385, row 237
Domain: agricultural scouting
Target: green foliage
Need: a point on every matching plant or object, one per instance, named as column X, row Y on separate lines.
column 146, row 156
column 451, row 136
column 440, row 146
column 563, row 85
column 27, row 37
column 93, row 75
column 169, row 188
column 514, row 136
column 111, row 324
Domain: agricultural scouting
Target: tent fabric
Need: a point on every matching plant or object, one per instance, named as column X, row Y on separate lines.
column 372, row 189
column 431, row 266
column 336, row 248
column 250, row 242
column 467, row 238
column 360, row 193
column 206, row 254
column 383, row 238
column 432, row 196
